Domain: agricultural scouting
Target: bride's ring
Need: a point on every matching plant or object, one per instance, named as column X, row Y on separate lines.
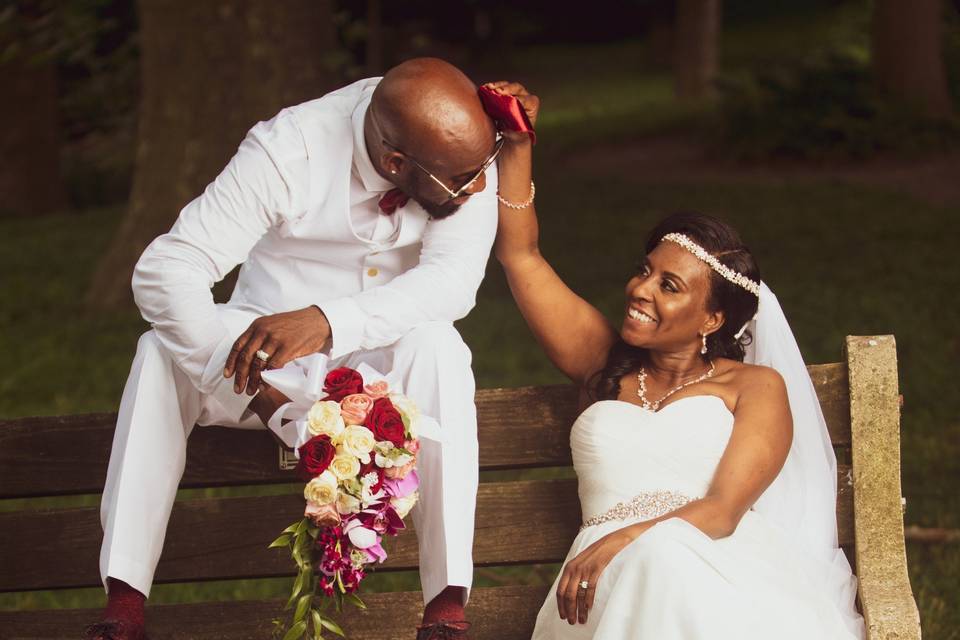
column 262, row 355
column 584, row 585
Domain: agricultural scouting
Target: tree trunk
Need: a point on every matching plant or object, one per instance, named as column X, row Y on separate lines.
column 374, row 38
column 907, row 53
column 209, row 71
column 30, row 179
column 696, row 48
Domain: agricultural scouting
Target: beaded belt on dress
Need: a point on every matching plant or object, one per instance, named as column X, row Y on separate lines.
column 647, row 505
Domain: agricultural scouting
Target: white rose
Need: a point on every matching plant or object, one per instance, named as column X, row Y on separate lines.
column 403, row 505
column 325, row 419
column 346, row 503
column 358, row 441
column 344, row 465
column 322, row 489
column 409, row 413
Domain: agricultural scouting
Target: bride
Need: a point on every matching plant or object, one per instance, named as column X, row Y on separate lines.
column 707, row 485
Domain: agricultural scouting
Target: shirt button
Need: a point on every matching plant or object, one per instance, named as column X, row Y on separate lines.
column 372, row 272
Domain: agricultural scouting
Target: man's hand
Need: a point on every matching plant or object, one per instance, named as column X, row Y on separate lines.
column 283, row 337
column 266, row 403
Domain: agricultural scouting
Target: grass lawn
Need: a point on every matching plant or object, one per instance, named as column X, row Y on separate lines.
column 842, row 258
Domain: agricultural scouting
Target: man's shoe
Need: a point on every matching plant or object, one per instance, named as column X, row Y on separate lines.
column 444, row 630
column 114, row 630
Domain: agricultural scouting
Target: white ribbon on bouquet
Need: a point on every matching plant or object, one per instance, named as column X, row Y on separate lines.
column 302, row 380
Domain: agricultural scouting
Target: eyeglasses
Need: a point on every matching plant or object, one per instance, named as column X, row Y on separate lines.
column 498, row 145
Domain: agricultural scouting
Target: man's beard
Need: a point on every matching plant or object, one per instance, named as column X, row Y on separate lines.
column 439, row 211
column 436, row 210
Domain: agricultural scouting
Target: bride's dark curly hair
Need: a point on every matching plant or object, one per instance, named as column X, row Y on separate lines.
column 738, row 304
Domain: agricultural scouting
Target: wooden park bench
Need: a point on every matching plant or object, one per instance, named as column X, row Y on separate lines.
column 519, row 522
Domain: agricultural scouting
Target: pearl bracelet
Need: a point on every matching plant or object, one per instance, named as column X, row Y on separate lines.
column 519, row 205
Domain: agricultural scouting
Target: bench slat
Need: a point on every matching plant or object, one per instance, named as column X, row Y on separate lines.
column 224, row 538
column 524, row 427
column 390, row 615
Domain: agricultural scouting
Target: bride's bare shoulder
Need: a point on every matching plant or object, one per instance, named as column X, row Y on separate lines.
column 751, row 379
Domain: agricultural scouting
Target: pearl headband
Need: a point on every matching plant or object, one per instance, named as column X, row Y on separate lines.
column 735, row 277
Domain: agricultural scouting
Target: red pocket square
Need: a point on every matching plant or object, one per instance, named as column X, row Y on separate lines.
column 506, row 111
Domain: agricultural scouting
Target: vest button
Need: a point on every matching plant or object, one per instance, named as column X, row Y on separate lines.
column 372, row 272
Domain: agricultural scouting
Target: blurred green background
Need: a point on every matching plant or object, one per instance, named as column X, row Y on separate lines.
column 848, row 196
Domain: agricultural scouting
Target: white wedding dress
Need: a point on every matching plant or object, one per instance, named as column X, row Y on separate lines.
column 674, row 581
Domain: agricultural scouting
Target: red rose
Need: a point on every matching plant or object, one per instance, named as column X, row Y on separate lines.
column 315, row 456
column 341, row 383
column 385, row 422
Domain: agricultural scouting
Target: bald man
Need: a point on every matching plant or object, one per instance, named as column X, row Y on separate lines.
column 363, row 221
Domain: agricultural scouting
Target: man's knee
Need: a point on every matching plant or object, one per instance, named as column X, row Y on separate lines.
column 149, row 345
column 153, row 356
column 435, row 341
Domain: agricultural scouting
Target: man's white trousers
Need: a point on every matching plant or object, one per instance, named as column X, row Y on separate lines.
column 160, row 407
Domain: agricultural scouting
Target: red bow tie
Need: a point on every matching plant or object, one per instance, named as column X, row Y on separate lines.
column 392, row 200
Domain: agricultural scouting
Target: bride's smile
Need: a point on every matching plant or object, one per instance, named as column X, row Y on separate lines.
column 639, row 316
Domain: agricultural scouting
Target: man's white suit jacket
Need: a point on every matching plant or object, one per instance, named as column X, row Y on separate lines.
column 297, row 206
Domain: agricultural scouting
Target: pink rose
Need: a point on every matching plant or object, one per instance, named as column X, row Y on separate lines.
column 402, row 487
column 399, row 473
column 322, row 515
column 354, row 408
column 413, row 446
column 377, row 389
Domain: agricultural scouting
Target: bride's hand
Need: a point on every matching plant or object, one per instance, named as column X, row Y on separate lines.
column 529, row 102
column 573, row 602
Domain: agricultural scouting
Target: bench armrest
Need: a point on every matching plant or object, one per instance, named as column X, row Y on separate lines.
column 889, row 608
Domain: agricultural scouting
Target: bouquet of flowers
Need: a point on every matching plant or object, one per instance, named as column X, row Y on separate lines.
column 359, row 466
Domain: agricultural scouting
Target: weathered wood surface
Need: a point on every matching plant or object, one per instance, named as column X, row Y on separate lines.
column 224, row 538
column 524, row 427
column 889, row 608
column 833, row 391
column 498, row 613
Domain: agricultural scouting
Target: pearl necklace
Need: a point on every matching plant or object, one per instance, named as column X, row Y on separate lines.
column 654, row 406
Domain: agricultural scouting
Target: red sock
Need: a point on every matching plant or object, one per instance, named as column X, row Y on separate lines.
column 448, row 605
column 124, row 603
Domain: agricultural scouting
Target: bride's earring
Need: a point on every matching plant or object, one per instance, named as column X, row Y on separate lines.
column 703, row 349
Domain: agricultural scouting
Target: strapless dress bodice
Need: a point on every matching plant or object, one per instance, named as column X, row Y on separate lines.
column 621, row 450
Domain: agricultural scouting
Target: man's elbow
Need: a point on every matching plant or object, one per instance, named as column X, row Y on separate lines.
column 143, row 275
column 156, row 275
column 462, row 306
